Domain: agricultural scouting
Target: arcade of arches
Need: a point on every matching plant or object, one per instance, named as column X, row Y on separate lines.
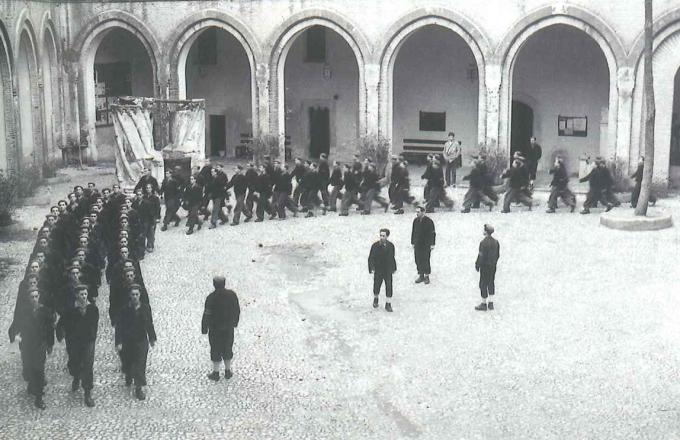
column 569, row 76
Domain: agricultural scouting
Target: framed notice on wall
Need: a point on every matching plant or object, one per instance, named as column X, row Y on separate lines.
column 572, row 126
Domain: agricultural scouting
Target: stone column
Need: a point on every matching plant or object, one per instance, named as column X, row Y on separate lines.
column 370, row 116
column 495, row 128
column 262, row 102
column 624, row 116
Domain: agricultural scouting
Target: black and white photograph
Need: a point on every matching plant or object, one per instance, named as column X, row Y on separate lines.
column 339, row 219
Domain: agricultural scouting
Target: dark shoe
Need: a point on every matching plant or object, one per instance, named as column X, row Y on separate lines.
column 233, row 224
column 375, row 302
column 128, row 380
column 212, row 226
column 248, row 219
column 164, row 228
column 200, row 225
column 75, row 385
column 490, row 306
column 259, row 220
column 343, row 214
column 177, row 222
column 481, row 307
column 399, row 211
column 427, row 279
column 228, row 374
column 215, row 375
column 149, row 250
column 190, row 231
column 388, row 307
column 550, row 211
column 491, row 206
column 272, row 217
column 224, row 222
column 608, row 208
column 89, row 401
column 465, row 211
column 572, row 208
column 139, row 393
column 505, row 211
column 39, row 403
column 585, row 211
column 420, row 279
column 309, row 214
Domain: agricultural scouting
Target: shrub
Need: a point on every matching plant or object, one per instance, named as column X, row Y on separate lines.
column 264, row 145
column 496, row 161
column 622, row 182
column 29, row 179
column 376, row 148
column 9, row 192
column 49, row 169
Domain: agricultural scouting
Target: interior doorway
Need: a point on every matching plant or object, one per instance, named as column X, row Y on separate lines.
column 522, row 126
column 319, row 131
column 218, row 135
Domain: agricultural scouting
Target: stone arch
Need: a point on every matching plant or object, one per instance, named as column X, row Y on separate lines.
column 190, row 29
column 281, row 42
column 52, row 78
column 399, row 33
column 30, row 101
column 666, row 65
column 506, row 54
column 85, row 47
column 9, row 153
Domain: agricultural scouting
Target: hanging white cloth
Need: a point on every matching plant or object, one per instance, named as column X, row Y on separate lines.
column 187, row 132
column 134, row 139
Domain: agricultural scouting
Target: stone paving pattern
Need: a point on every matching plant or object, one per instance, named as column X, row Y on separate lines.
column 583, row 342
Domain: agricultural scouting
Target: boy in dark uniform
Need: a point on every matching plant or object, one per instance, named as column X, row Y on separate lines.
column 489, row 252
column 382, row 264
column 220, row 318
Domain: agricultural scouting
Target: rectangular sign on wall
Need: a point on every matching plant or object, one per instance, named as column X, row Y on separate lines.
column 572, row 126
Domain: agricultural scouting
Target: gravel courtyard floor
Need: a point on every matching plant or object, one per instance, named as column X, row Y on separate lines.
column 583, row 342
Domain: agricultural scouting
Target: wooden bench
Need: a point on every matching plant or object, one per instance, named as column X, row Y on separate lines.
column 416, row 150
column 243, row 149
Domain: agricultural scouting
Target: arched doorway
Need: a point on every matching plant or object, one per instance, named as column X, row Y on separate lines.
column 522, row 126
column 30, row 107
column 565, row 70
column 435, row 90
column 321, row 94
column 121, row 66
column 217, row 69
column 674, row 170
column 52, row 95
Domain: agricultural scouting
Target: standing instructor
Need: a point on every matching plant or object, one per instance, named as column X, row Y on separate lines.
column 423, row 240
column 382, row 264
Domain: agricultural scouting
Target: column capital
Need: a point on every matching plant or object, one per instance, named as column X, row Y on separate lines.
column 625, row 81
column 262, row 73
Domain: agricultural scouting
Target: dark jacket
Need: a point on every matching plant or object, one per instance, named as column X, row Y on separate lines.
column 599, row 177
column 381, row 258
column 193, row 195
column 36, row 329
column 324, row 172
column 435, row 178
column 422, row 232
column 147, row 179
column 336, row 178
column 263, row 185
column 239, row 183
column 518, row 178
column 149, row 208
column 298, row 172
column 370, row 181
column 477, row 178
column 351, row 180
column 489, row 252
column 533, row 154
column 78, row 329
column 403, row 181
column 282, row 183
column 251, row 178
column 221, row 312
column 560, row 178
column 171, row 188
column 135, row 325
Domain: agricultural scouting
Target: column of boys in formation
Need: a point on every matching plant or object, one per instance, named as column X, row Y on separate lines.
column 92, row 233
column 83, row 239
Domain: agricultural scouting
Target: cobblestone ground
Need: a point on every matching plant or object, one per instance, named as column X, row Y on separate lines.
column 583, row 343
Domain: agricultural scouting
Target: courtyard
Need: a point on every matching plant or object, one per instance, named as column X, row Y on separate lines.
column 582, row 344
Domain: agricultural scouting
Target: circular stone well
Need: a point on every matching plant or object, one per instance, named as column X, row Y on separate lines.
column 626, row 220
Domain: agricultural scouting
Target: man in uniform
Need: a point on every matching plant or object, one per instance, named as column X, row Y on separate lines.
column 600, row 182
column 478, row 184
column 517, row 185
column 79, row 326
column 559, row 187
column 134, row 334
column 382, row 264
column 220, row 318
column 489, row 252
column 422, row 239
column 37, row 338
column 171, row 191
column 240, row 184
column 533, row 156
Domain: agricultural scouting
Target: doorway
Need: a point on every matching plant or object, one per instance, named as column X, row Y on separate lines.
column 319, row 131
column 218, row 136
column 522, row 128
